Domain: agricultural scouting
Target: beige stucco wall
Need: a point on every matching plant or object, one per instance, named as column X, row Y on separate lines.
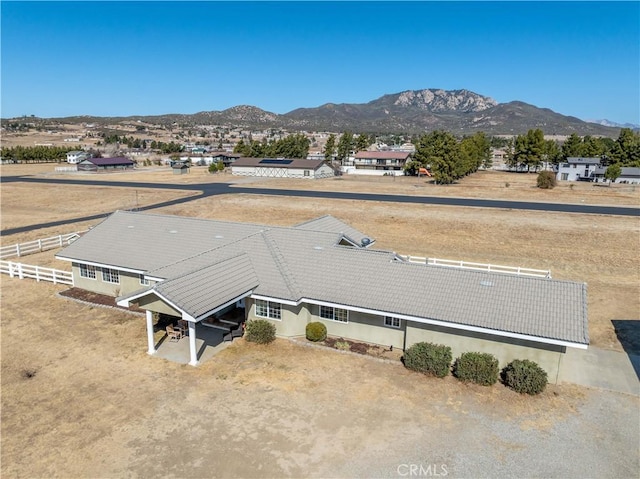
column 294, row 318
column 129, row 282
column 361, row 327
column 153, row 303
column 505, row 350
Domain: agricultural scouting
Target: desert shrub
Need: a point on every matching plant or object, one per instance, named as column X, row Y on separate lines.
column 480, row 368
column 524, row 376
column 342, row 346
column 260, row 331
column 546, row 180
column 316, row 331
column 429, row 358
column 359, row 348
column 507, row 184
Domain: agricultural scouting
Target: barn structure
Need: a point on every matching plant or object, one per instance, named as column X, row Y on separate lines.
column 282, row 168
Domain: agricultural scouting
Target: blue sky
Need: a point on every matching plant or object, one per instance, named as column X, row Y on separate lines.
column 128, row 58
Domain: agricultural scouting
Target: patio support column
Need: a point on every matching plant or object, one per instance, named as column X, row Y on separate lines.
column 192, row 343
column 152, row 344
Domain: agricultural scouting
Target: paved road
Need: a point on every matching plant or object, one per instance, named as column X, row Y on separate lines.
column 213, row 189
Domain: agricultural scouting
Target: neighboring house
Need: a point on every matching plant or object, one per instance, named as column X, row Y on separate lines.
column 282, row 168
column 578, row 169
column 105, row 164
column 321, row 271
column 75, row 157
column 628, row 175
column 379, row 162
column 226, row 158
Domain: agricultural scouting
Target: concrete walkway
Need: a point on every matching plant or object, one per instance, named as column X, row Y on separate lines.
column 602, row 369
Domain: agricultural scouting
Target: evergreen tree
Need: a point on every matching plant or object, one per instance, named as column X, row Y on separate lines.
column 330, row 147
column 345, row 145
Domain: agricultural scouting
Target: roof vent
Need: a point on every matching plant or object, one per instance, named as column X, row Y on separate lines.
column 318, row 247
column 130, row 226
column 218, row 236
column 365, row 242
column 173, row 231
column 487, row 284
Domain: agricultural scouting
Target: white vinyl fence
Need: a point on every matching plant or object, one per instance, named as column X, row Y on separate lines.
column 479, row 266
column 22, row 271
column 38, row 246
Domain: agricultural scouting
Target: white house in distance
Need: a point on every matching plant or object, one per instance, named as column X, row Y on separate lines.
column 378, row 163
column 322, row 270
column 282, row 168
column 578, row 169
column 75, row 157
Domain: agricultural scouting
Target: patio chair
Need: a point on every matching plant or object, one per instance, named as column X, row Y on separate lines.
column 174, row 335
column 183, row 326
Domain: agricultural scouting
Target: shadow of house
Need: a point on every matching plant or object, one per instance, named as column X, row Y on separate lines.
column 628, row 332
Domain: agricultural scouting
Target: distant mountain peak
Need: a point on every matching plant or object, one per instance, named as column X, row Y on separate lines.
column 440, row 101
column 614, row 124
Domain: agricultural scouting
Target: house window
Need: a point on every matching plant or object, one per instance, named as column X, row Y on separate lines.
column 392, row 322
column 268, row 309
column 334, row 314
column 565, row 176
column 88, row 271
column 306, row 172
column 110, row 276
column 144, row 281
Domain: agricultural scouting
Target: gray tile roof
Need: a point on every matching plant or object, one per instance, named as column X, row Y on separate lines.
column 330, row 223
column 201, row 291
column 296, row 263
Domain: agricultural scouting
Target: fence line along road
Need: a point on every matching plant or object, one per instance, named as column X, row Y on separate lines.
column 539, row 273
column 37, row 246
column 22, row 271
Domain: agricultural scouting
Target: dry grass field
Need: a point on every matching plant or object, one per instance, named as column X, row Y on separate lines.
column 80, row 398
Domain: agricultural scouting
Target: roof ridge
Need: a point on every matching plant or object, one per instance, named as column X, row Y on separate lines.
column 282, row 265
column 312, row 220
column 209, row 265
column 202, row 253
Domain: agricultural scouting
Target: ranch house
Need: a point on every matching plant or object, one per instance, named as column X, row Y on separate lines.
column 379, row 162
column 323, row 270
column 578, row 169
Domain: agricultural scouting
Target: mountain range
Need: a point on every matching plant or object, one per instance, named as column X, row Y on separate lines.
column 412, row 111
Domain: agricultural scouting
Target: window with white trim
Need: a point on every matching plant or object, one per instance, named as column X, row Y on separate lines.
column 88, row 271
column 392, row 322
column 110, row 275
column 334, row 314
column 268, row 309
column 144, row 281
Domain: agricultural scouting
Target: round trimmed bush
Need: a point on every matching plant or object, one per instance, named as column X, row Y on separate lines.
column 316, row 331
column 480, row 368
column 524, row 376
column 428, row 358
column 260, row 331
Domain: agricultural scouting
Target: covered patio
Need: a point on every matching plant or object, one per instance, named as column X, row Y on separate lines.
column 208, row 343
column 197, row 298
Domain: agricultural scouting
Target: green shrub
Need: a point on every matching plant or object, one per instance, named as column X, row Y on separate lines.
column 524, row 376
column 316, row 331
column 546, row 180
column 480, row 368
column 260, row 331
column 342, row 346
column 429, row 358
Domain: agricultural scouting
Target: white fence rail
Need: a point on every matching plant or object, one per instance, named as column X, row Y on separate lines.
column 38, row 246
column 22, row 271
column 65, row 168
column 540, row 273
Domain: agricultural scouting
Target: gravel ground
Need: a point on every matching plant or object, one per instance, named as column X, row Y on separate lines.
column 600, row 440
